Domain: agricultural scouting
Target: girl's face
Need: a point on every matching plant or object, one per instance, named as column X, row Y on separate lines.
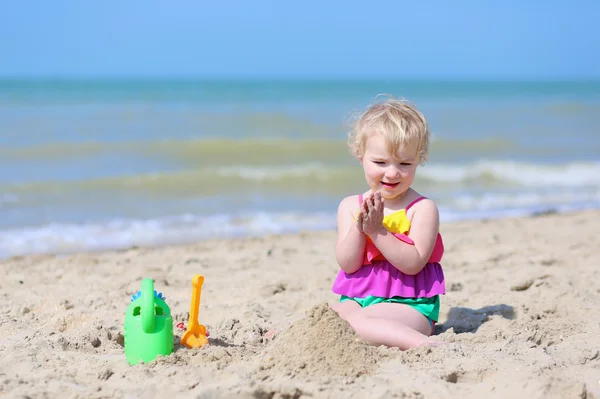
column 390, row 174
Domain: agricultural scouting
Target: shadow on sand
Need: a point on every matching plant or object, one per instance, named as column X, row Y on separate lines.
column 463, row 320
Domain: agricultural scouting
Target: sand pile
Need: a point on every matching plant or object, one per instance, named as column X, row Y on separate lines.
column 321, row 346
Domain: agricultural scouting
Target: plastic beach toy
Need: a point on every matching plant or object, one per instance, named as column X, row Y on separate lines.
column 195, row 335
column 148, row 328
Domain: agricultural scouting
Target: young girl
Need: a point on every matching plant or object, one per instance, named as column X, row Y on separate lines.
column 388, row 244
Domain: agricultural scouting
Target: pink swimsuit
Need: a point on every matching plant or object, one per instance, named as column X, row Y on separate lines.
column 378, row 277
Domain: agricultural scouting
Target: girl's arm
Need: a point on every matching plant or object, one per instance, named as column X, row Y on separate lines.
column 411, row 259
column 351, row 242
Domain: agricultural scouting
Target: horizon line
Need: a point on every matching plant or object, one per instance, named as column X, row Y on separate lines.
column 281, row 78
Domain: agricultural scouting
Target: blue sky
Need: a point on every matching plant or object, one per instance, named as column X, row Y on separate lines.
column 385, row 39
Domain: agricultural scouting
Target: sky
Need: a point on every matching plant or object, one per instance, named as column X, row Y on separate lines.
column 310, row 39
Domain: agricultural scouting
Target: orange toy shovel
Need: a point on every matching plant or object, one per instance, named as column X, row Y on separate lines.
column 195, row 335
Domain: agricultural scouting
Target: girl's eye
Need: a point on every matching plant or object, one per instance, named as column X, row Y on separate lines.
column 379, row 162
column 405, row 164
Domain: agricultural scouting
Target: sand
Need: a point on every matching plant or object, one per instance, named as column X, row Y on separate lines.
column 520, row 317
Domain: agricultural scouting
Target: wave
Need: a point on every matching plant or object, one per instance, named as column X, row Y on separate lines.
column 249, row 150
column 118, row 233
column 8, row 198
column 516, row 173
column 312, row 177
column 122, row 233
column 190, row 151
column 527, row 200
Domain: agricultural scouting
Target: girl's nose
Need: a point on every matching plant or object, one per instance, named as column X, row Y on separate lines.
column 392, row 173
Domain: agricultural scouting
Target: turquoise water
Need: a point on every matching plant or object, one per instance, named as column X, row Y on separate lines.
column 86, row 165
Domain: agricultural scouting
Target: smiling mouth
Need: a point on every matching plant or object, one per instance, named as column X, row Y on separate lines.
column 389, row 185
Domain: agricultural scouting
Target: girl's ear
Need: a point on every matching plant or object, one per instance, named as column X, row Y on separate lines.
column 360, row 159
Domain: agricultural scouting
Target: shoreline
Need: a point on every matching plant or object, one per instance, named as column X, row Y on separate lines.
column 518, row 314
column 517, row 213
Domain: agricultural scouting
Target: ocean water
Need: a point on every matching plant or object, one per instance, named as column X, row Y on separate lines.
column 88, row 165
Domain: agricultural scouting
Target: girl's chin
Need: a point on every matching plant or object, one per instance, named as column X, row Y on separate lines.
column 390, row 194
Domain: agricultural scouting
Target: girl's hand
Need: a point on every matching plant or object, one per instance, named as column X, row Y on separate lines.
column 359, row 220
column 360, row 217
column 372, row 214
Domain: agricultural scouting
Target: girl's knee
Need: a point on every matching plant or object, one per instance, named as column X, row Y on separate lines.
column 360, row 324
column 345, row 309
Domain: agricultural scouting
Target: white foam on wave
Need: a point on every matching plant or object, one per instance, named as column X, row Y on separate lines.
column 518, row 173
column 258, row 173
column 8, row 198
column 528, row 199
column 481, row 172
column 122, row 233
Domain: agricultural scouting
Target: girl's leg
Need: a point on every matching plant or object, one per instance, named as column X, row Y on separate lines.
column 402, row 314
column 391, row 324
column 343, row 309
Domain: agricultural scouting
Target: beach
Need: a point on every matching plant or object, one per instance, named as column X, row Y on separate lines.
column 104, row 183
column 519, row 316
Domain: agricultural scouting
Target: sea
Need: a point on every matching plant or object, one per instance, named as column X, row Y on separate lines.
column 88, row 165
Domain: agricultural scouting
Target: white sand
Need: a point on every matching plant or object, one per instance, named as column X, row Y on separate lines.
column 520, row 313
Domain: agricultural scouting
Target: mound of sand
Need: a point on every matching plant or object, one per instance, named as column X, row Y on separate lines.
column 321, row 346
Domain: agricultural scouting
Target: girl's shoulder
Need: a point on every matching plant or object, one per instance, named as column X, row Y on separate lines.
column 421, row 204
column 350, row 203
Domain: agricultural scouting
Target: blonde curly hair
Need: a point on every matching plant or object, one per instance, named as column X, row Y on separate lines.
column 400, row 123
